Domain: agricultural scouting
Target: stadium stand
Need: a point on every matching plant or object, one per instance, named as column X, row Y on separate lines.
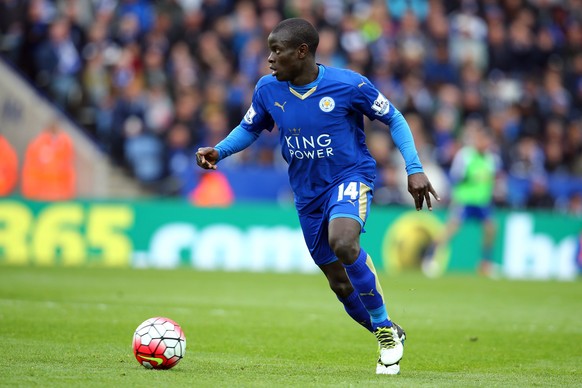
column 182, row 71
column 23, row 115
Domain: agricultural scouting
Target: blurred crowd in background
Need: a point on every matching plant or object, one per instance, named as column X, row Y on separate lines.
column 151, row 81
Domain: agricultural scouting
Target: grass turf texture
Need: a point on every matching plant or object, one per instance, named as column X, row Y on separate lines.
column 73, row 327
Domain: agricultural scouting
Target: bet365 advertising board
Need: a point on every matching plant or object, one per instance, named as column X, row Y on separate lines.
column 172, row 234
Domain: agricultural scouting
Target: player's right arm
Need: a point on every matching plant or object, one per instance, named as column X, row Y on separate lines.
column 237, row 140
column 207, row 157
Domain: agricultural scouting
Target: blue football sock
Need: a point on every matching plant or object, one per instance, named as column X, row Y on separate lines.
column 363, row 276
column 355, row 309
column 379, row 317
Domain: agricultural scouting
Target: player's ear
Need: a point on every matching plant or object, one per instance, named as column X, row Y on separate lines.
column 302, row 50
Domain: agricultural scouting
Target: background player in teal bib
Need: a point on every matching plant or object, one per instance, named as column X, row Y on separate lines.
column 319, row 112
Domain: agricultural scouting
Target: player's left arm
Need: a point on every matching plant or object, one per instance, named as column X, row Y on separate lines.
column 419, row 185
column 375, row 105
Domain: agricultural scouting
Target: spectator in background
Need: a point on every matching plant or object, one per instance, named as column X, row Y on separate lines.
column 574, row 80
column 76, row 14
column 554, row 99
column 159, row 113
column 188, row 112
column 143, row 151
column 398, row 8
column 498, row 50
column 36, row 26
column 553, row 139
column 521, row 44
column 95, row 78
column 48, row 172
column 329, row 53
column 142, row 11
column 527, row 160
column 8, row 168
column 467, row 38
column 573, row 147
column 389, row 190
column 214, row 122
column 181, row 161
column 182, row 70
column 444, row 137
column 539, row 196
column 59, row 65
column 132, row 103
column 12, row 17
column 438, row 68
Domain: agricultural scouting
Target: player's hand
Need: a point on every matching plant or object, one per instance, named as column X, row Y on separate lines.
column 421, row 189
column 207, row 157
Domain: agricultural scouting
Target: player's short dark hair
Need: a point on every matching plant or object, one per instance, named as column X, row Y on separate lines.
column 298, row 31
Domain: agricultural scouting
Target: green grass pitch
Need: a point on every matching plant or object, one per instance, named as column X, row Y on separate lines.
column 73, row 327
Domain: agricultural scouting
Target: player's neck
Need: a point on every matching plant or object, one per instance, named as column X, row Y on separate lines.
column 309, row 75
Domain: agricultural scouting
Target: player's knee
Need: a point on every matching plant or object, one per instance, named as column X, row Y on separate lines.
column 346, row 249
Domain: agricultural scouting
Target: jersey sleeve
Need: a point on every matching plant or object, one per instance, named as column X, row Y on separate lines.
column 257, row 117
column 237, row 140
column 371, row 102
column 459, row 166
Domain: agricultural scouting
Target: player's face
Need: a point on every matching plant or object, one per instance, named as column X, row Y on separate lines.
column 283, row 59
column 482, row 142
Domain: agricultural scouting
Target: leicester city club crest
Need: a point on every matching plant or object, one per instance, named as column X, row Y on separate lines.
column 326, row 104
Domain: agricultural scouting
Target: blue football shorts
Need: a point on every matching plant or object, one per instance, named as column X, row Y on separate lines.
column 472, row 212
column 349, row 199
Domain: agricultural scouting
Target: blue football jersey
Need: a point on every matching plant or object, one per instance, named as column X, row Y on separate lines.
column 321, row 131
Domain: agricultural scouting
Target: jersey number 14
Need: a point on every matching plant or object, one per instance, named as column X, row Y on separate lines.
column 351, row 191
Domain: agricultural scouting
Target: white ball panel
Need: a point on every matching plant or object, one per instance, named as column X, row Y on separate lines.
column 146, row 339
column 169, row 353
column 160, row 330
column 170, row 342
column 172, row 334
column 154, row 332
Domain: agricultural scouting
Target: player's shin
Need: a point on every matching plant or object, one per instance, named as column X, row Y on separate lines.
column 356, row 309
column 363, row 277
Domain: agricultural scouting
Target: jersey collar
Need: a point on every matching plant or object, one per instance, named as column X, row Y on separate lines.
column 305, row 91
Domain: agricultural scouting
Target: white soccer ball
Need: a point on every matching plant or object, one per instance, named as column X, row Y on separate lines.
column 159, row 343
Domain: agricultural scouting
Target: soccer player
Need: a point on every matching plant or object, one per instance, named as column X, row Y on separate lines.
column 319, row 112
column 473, row 173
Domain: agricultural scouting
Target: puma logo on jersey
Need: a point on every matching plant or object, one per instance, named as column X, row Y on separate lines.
column 281, row 106
column 362, row 84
